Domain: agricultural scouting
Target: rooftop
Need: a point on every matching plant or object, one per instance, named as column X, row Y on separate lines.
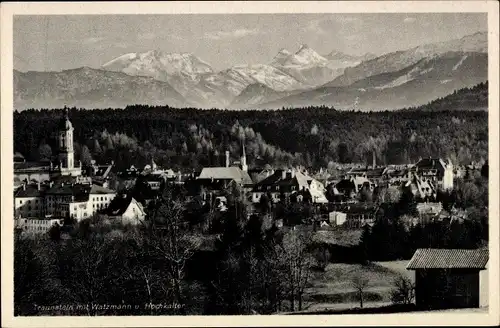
column 30, row 191
column 430, row 163
column 226, row 173
column 433, row 258
column 42, row 166
column 119, row 205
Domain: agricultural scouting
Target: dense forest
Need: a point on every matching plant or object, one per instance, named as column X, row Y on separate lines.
column 473, row 98
column 312, row 137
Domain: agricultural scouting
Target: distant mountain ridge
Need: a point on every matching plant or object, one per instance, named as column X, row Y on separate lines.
column 414, row 85
column 90, row 88
column 396, row 61
column 395, row 80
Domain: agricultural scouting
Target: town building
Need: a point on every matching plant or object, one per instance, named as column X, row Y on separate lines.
column 70, row 200
column 29, row 201
column 259, row 174
column 218, row 178
column 420, row 187
column 436, row 171
column 350, row 187
column 125, row 209
column 450, row 278
column 285, row 183
column 63, row 165
column 37, row 226
column 77, row 201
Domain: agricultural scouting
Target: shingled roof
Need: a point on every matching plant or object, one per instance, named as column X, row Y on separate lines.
column 432, row 258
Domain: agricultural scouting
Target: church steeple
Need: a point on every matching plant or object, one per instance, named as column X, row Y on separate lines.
column 65, row 142
column 243, row 160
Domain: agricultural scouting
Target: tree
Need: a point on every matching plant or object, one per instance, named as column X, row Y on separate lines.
column 296, row 262
column 97, row 147
column 169, row 238
column 265, row 204
column 85, row 156
column 366, row 243
column 388, row 195
column 143, row 269
column 55, row 232
column 322, row 256
column 359, row 282
column 403, row 291
column 365, row 195
column 88, row 272
column 484, row 170
column 44, row 152
column 343, row 153
column 31, row 275
column 108, row 143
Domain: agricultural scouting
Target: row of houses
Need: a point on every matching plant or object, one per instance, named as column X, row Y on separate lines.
column 37, row 206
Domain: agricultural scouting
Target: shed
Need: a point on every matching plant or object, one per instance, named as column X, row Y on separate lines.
column 450, row 278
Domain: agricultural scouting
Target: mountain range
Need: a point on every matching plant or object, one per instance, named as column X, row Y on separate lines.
column 395, row 80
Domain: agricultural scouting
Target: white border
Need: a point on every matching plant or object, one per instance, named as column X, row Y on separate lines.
column 59, row 8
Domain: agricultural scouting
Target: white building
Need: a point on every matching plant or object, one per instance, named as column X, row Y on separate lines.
column 435, row 170
column 29, row 201
column 126, row 209
column 37, row 226
column 78, row 201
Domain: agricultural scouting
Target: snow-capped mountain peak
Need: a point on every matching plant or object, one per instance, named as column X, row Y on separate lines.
column 159, row 64
column 305, row 56
column 341, row 56
column 283, row 51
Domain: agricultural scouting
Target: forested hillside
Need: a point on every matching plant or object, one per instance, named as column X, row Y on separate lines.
column 313, row 136
column 475, row 98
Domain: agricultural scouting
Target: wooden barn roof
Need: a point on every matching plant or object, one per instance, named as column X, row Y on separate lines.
column 433, row 258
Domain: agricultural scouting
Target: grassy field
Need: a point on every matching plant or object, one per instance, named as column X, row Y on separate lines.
column 333, row 288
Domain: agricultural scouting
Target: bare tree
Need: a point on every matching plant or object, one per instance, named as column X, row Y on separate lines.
column 87, row 272
column 404, row 291
column 167, row 233
column 141, row 266
column 296, row 263
column 360, row 282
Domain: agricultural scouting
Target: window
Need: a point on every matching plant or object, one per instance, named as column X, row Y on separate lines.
column 20, row 201
column 102, row 198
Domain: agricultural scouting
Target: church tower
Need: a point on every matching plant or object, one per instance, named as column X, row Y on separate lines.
column 243, row 159
column 65, row 145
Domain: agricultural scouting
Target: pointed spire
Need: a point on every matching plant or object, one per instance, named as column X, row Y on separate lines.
column 243, row 159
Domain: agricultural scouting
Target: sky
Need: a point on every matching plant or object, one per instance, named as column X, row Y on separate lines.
column 54, row 43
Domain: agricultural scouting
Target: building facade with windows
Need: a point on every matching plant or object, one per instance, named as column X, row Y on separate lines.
column 77, row 201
